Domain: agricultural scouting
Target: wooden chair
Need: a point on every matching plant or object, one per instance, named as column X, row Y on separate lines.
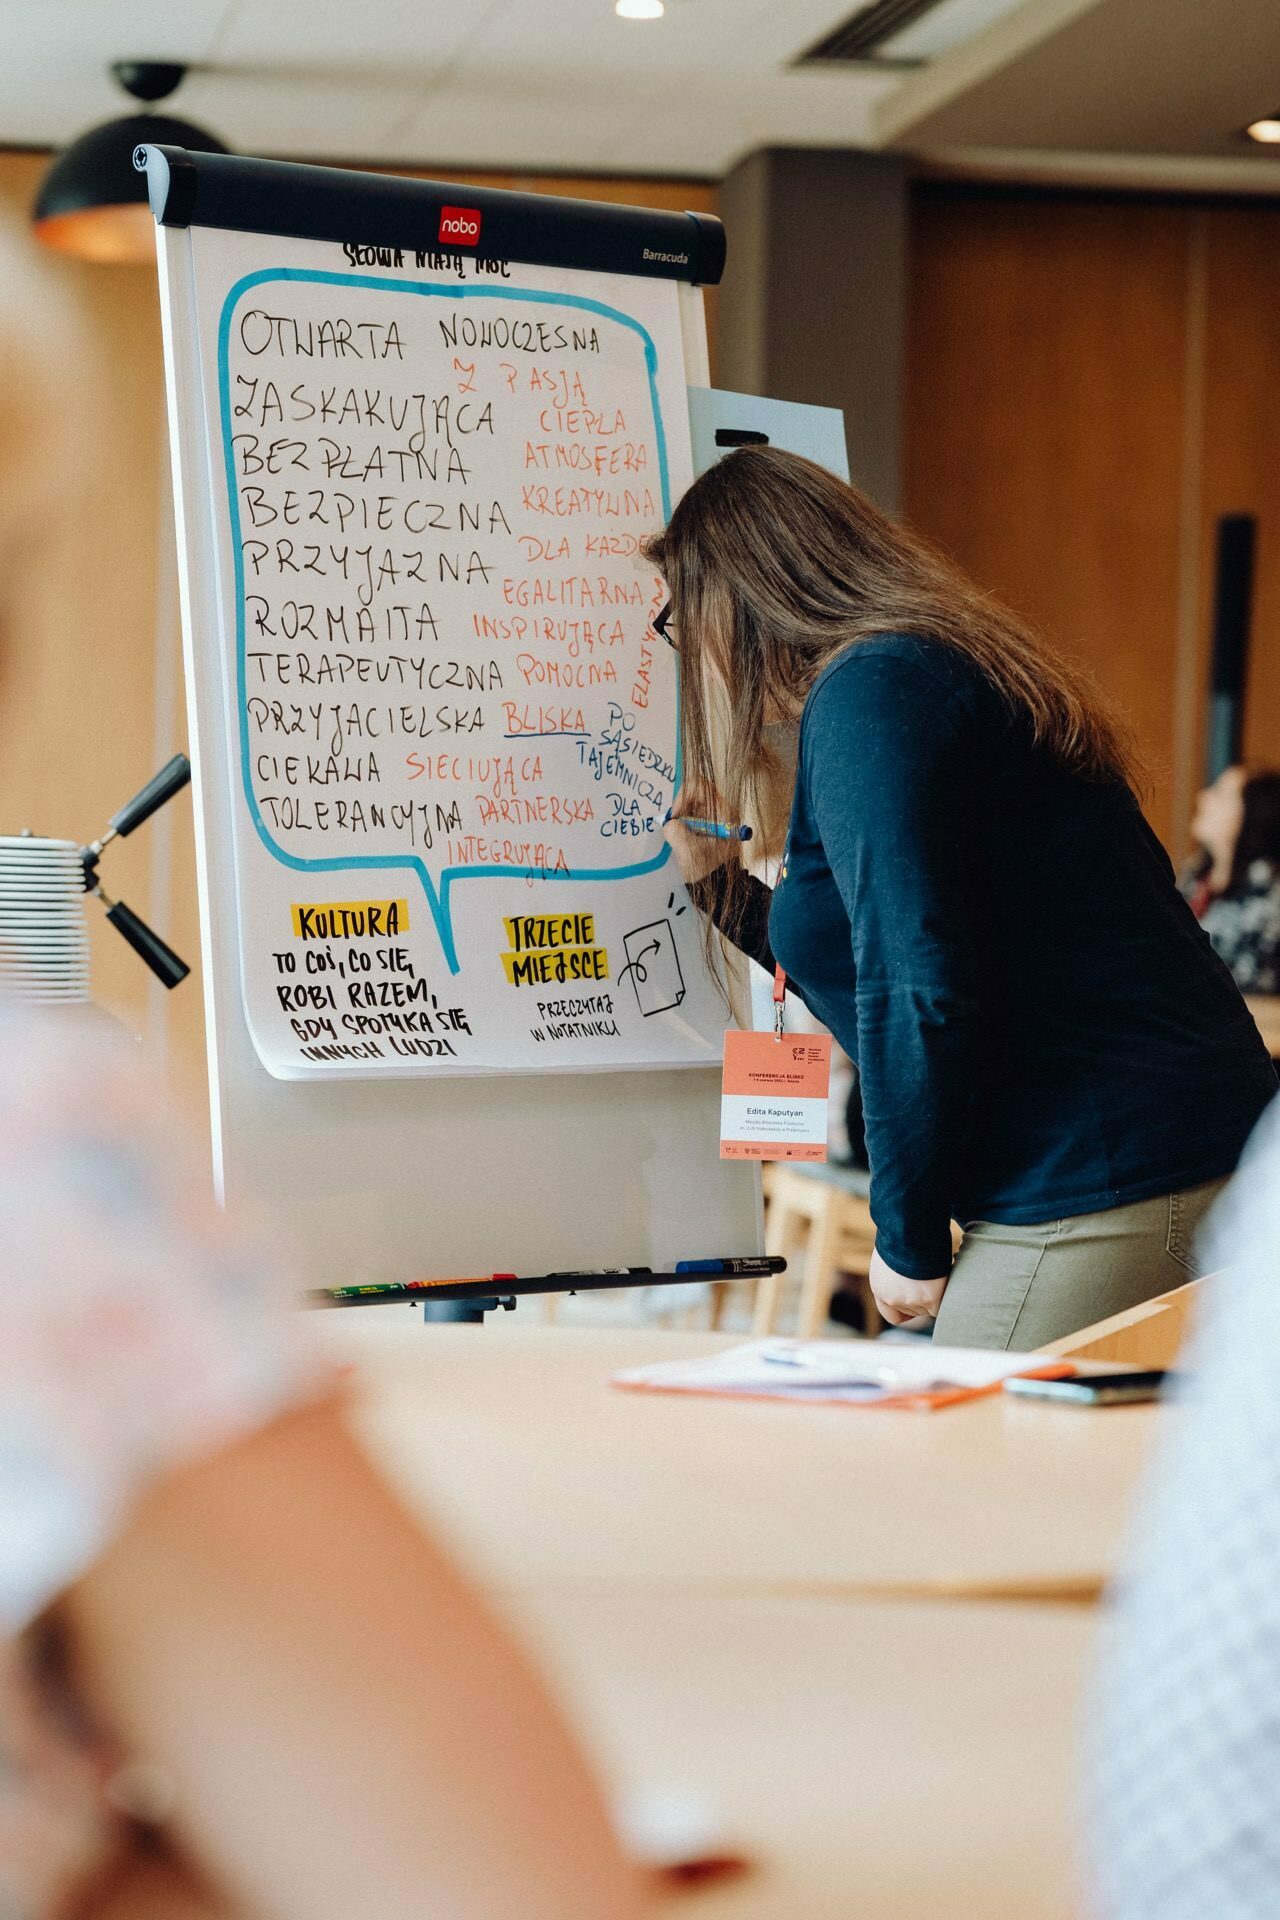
column 820, row 1215
column 1148, row 1335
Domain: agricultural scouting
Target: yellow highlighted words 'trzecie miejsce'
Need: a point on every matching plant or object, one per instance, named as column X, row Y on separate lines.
column 549, row 949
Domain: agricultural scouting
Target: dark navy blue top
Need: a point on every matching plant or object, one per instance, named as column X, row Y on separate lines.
column 1041, row 1027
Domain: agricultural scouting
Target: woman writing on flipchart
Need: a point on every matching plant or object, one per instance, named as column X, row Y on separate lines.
column 970, row 899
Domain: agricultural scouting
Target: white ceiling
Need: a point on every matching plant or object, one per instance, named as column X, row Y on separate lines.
column 1099, row 88
column 531, row 84
column 1136, row 88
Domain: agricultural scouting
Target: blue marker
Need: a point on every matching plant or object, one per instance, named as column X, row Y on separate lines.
column 714, row 829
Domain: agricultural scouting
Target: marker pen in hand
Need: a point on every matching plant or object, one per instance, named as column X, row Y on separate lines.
column 713, row 829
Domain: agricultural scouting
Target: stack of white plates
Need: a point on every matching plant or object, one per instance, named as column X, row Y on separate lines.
column 44, row 937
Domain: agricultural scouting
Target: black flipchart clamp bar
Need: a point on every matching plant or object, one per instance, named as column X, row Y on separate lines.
column 503, row 1289
column 424, row 217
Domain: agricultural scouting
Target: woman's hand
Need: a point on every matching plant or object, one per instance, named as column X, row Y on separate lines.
column 697, row 854
column 901, row 1299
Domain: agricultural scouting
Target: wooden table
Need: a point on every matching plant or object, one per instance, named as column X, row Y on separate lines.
column 513, row 1442
column 903, row 1760
column 706, row 1583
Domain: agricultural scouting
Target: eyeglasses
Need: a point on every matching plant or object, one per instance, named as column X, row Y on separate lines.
column 663, row 628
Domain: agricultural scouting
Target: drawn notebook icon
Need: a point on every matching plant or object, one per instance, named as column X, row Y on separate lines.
column 653, row 967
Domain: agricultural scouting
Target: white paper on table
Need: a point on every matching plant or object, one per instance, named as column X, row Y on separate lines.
column 857, row 1371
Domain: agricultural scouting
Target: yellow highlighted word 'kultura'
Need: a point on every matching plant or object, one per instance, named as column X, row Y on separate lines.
column 351, row 919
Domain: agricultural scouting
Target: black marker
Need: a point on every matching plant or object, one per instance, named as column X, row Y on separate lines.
column 596, row 1273
column 743, row 1267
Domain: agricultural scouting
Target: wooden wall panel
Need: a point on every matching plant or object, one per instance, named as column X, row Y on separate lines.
column 1045, row 423
column 1241, row 463
column 78, row 678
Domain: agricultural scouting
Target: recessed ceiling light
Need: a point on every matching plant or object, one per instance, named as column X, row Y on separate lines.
column 639, row 9
column 1266, row 132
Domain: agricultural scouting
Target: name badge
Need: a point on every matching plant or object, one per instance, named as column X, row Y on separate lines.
column 773, row 1103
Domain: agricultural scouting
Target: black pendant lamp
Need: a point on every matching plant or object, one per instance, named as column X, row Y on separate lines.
column 92, row 202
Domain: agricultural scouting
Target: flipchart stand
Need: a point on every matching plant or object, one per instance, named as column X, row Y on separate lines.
column 388, row 1180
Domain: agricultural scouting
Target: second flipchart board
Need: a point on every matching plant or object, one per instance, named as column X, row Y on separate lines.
column 417, row 446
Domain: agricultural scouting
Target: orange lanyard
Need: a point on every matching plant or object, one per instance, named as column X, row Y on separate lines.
column 779, row 1001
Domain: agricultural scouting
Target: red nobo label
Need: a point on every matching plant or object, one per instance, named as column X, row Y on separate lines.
column 459, row 227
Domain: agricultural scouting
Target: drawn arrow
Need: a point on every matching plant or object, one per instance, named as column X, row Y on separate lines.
column 637, row 966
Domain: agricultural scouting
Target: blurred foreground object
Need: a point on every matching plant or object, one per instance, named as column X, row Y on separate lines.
column 44, row 939
column 92, row 204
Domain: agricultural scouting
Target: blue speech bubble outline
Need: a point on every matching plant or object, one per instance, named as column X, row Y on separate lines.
column 437, row 899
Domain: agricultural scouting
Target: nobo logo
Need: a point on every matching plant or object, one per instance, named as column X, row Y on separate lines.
column 459, row 226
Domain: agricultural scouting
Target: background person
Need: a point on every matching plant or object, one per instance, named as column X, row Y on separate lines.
column 1235, row 891
column 971, row 901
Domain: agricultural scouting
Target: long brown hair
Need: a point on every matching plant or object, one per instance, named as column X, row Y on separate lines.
column 774, row 566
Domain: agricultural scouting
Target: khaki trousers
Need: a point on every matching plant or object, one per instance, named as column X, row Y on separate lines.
column 1018, row 1287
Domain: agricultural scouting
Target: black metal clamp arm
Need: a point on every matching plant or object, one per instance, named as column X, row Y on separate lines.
column 166, row 965
column 168, row 968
